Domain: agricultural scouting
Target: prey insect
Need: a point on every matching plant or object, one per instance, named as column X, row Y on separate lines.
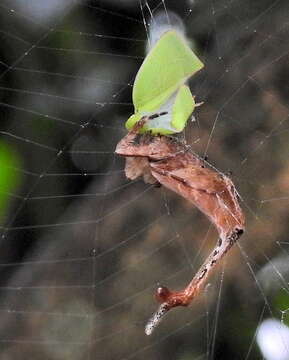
column 164, row 160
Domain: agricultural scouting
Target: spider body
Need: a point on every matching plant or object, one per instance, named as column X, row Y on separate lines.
column 165, row 160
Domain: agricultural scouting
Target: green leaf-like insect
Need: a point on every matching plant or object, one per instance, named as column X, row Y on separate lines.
column 160, row 91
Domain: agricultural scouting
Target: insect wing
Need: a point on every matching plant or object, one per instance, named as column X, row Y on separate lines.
column 132, row 120
column 183, row 107
column 167, row 66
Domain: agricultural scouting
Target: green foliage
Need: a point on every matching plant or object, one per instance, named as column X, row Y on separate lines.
column 9, row 178
column 281, row 302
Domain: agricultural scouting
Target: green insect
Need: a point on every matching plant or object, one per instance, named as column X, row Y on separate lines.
column 160, row 91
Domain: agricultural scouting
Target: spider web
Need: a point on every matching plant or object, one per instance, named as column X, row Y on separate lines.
column 82, row 248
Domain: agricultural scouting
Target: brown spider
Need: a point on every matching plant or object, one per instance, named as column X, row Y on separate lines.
column 165, row 160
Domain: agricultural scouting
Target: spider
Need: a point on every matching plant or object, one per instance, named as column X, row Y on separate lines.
column 168, row 161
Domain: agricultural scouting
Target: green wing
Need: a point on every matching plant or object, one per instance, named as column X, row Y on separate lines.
column 165, row 69
column 183, row 107
column 176, row 118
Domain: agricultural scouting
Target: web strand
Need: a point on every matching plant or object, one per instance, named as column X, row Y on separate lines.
column 82, row 248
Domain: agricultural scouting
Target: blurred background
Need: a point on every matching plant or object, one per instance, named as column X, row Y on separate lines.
column 82, row 248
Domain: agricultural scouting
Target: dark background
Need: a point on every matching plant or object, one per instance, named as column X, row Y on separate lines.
column 82, row 249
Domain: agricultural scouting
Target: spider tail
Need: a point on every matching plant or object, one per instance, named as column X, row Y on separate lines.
column 156, row 318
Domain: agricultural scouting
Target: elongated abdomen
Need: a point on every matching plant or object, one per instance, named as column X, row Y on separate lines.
column 211, row 192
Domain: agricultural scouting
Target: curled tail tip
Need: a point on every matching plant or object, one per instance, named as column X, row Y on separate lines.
column 148, row 329
column 156, row 318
